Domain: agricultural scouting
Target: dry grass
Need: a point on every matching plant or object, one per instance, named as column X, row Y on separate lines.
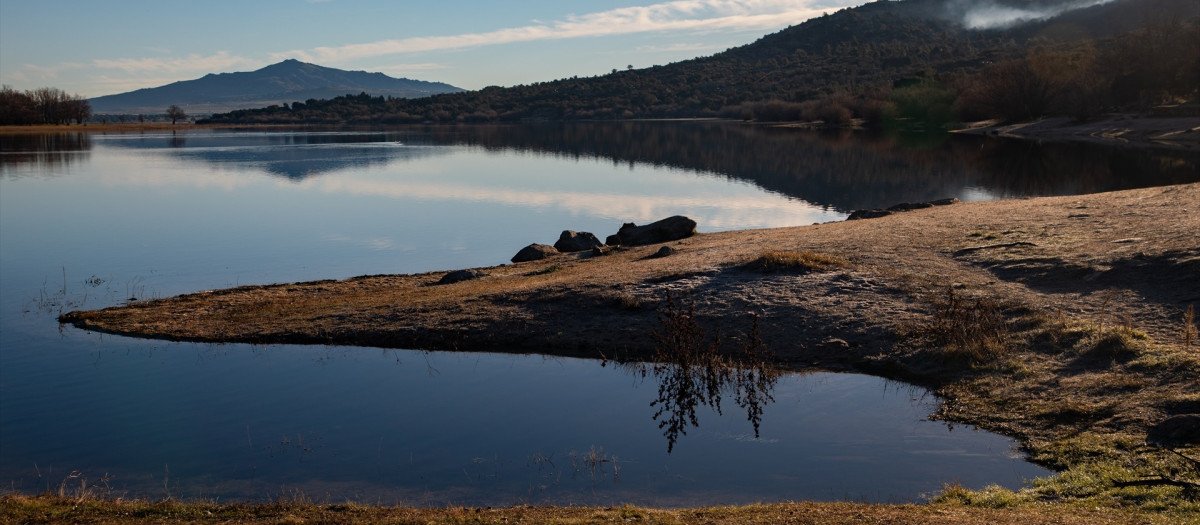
column 961, row 328
column 1189, row 326
column 53, row 509
column 795, row 261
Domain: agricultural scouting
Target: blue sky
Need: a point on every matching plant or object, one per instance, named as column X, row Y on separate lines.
column 94, row 48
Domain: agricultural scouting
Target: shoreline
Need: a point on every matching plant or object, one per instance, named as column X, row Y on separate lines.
column 1086, row 360
column 1119, row 130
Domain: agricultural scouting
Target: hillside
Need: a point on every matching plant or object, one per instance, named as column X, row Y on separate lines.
column 284, row 82
column 860, row 54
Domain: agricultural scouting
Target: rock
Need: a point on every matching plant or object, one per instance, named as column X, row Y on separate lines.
column 906, row 206
column 834, row 343
column 669, row 229
column 534, row 252
column 598, row 251
column 571, row 241
column 1176, row 431
column 662, row 252
column 461, row 275
column 867, row 214
column 612, row 240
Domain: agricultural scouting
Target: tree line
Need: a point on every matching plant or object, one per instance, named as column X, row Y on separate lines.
column 42, row 106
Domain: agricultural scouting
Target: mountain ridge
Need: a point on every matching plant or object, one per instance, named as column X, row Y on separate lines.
column 283, row 82
column 862, row 52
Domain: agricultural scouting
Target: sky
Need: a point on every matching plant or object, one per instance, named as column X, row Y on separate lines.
column 93, row 48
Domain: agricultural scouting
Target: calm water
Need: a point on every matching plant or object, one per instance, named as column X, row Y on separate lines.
column 90, row 220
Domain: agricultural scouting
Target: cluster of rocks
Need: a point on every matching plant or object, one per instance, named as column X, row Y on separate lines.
column 906, row 206
column 630, row 234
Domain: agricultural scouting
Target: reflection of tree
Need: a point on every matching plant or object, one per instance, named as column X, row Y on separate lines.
column 846, row 171
column 692, row 371
column 44, row 151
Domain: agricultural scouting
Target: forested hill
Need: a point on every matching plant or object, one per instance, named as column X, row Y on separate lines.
column 827, row 68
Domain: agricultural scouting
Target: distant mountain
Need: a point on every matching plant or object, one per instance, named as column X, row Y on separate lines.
column 285, row 82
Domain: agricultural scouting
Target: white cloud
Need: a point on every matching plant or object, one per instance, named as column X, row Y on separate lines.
column 221, row 61
column 678, row 48
column 408, row 69
column 679, row 15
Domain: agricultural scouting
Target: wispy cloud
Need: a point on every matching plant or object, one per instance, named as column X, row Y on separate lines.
column 406, row 69
column 677, row 48
column 220, row 61
column 679, row 15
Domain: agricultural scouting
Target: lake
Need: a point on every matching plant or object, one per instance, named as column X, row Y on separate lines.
column 89, row 220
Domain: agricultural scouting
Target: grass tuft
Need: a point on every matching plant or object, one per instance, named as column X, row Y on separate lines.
column 1189, row 326
column 1121, row 342
column 799, row 262
column 974, row 330
column 990, row 497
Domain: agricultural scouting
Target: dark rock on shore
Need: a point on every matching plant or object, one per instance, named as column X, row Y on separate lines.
column 867, row 214
column 534, row 252
column 669, row 229
column 572, row 241
column 461, row 275
column 904, row 206
column 662, row 252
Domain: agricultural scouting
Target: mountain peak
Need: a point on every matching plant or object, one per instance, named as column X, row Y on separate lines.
column 284, row 82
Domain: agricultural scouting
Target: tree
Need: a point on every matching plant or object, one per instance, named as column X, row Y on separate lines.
column 175, row 113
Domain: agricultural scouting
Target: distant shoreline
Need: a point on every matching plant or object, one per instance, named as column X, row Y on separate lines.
column 1120, row 130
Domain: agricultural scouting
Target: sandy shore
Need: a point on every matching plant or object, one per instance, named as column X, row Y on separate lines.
column 1115, row 130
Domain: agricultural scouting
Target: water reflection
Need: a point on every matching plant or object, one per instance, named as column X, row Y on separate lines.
column 692, row 370
column 293, row 156
column 842, row 171
column 851, row 170
column 43, row 153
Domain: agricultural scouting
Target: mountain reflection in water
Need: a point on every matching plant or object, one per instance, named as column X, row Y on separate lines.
column 843, row 171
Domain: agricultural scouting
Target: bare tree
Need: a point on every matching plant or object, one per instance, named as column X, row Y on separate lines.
column 175, row 113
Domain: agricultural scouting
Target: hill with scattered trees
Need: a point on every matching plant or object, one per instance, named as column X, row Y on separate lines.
column 913, row 61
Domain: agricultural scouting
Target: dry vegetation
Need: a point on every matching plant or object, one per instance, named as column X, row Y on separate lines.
column 56, row 509
column 1067, row 323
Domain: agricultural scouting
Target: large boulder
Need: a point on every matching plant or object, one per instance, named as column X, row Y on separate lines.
column 668, row 229
column 571, row 241
column 534, row 252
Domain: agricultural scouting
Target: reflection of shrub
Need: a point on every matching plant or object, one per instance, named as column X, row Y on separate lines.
column 692, row 370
